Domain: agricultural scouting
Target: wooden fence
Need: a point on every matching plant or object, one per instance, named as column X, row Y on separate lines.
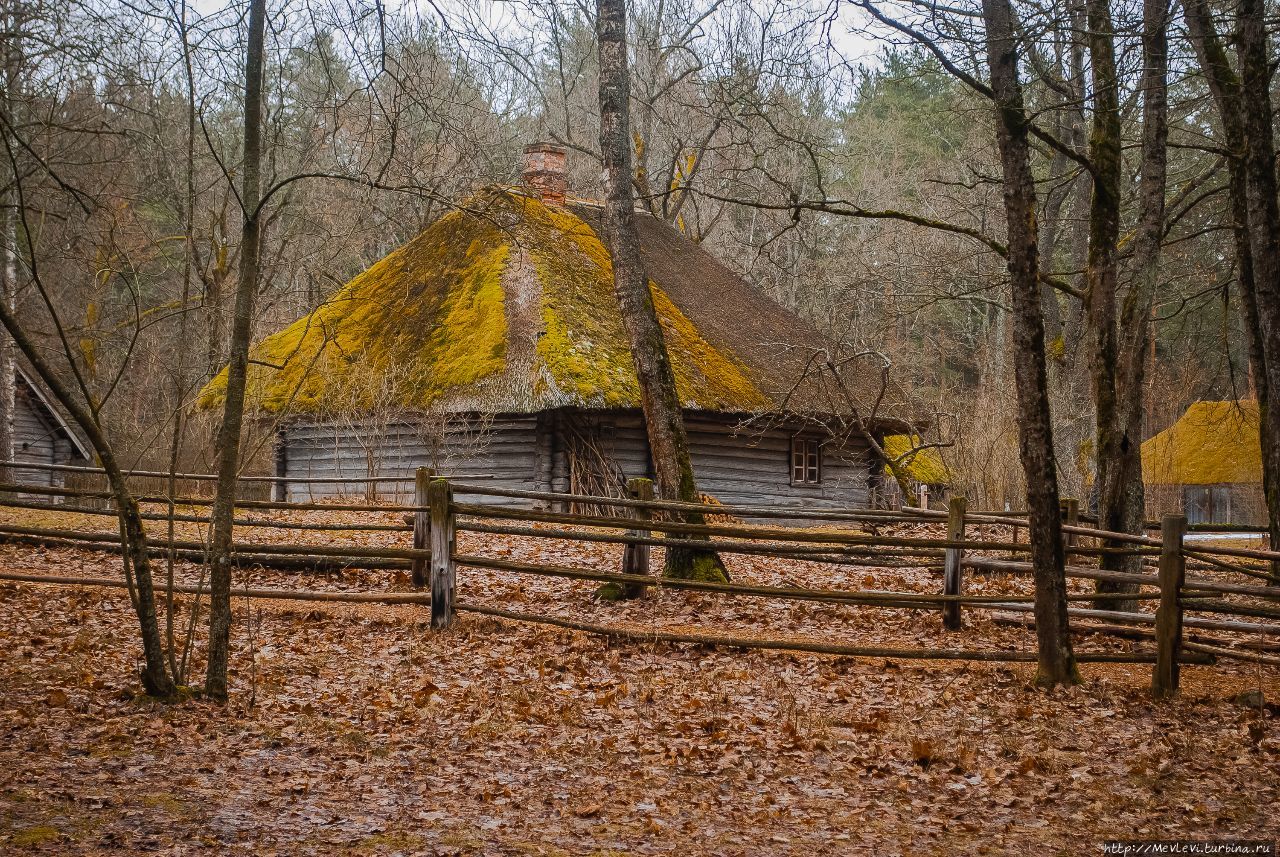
column 1233, row 585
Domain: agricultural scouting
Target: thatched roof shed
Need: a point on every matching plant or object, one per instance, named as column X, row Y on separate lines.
column 1212, row 443
column 1207, row 465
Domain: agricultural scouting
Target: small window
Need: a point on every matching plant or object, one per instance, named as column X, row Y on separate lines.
column 806, row 461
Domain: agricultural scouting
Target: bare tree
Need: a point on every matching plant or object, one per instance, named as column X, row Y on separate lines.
column 1264, row 236
column 1120, row 482
column 12, row 59
column 668, row 442
column 221, row 517
column 1056, row 659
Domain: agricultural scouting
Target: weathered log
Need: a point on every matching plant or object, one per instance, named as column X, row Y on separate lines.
column 241, row 559
column 1202, row 556
column 1150, row 619
column 643, row 635
column 952, row 570
column 282, row 549
column 17, row 503
column 635, row 555
column 1169, row 621
column 1122, row 631
column 441, row 537
column 285, row 594
column 1225, row 652
column 1224, row 607
column 789, row 551
column 741, row 531
column 421, row 523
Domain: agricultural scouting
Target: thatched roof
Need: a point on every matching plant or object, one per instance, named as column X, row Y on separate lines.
column 508, row 306
column 1212, row 443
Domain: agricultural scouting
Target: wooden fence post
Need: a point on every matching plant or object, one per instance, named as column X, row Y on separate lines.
column 421, row 524
column 1164, row 678
column 440, row 499
column 635, row 558
column 952, row 572
column 1071, row 518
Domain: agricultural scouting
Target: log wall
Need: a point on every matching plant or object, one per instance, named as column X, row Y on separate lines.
column 37, row 439
column 536, row 452
column 505, row 448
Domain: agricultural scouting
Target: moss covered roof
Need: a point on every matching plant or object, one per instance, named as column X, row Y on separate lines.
column 1213, row 442
column 508, row 306
column 925, row 466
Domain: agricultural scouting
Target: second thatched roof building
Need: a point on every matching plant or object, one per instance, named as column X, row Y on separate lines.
column 1207, row 465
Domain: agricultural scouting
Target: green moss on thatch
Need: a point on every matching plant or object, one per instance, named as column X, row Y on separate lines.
column 584, row 344
column 435, row 307
column 434, row 311
column 1212, row 443
column 925, row 466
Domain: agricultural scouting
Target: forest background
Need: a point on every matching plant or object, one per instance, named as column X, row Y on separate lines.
column 832, row 160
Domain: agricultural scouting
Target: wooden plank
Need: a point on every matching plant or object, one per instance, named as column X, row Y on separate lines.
column 443, row 584
column 1070, row 517
column 1164, row 676
column 953, row 564
column 635, row 557
column 421, row 524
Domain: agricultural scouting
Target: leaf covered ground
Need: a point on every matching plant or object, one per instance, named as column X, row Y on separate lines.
column 354, row 729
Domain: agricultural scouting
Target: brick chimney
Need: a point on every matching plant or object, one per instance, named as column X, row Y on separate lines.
column 545, row 173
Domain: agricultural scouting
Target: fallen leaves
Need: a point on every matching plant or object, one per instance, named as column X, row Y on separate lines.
column 371, row 734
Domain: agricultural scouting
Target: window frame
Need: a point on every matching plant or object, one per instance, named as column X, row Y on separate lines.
column 804, row 460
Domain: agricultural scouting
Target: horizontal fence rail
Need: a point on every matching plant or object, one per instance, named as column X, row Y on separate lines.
column 213, row 477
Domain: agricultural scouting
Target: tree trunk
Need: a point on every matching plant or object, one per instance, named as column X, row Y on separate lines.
column 1118, row 455
column 179, row 378
column 156, row 679
column 668, row 442
column 1069, row 380
column 1225, row 87
column 9, row 239
column 1121, row 491
column 1035, row 431
column 1264, row 239
column 221, row 523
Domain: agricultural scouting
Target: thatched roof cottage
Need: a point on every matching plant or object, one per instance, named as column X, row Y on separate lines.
column 492, row 344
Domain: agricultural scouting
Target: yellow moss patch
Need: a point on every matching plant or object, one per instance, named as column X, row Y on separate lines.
column 37, row 835
column 704, row 373
column 925, row 466
column 585, row 345
column 434, row 307
column 1212, row 443
column 432, row 316
column 1057, row 348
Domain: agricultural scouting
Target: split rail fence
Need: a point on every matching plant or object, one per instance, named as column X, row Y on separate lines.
column 1235, row 586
